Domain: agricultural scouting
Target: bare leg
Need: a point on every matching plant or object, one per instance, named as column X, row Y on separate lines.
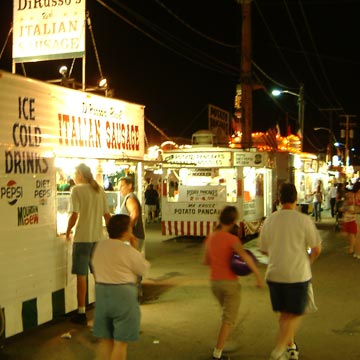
column 104, row 349
column 119, row 351
column 352, row 242
column 357, row 237
column 289, row 323
column 81, row 290
column 223, row 335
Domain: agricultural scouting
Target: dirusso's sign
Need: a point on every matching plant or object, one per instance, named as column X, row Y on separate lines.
column 48, row 29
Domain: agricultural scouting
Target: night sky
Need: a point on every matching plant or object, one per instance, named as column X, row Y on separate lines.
column 177, row 56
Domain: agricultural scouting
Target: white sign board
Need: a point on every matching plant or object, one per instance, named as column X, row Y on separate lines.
column 202, row 193
column 36, row 115
column 249, row 159
column 200, row 158
column 48, row 30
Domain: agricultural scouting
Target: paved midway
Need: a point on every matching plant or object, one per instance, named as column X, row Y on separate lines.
column 180, row 317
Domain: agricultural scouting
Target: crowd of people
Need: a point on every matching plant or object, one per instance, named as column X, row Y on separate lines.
column 347, row 210
column 114, row 259
column 118, row 265
column 290, row 249
column 344, row 201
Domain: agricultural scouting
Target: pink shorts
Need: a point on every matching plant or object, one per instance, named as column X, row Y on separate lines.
column 350, row 227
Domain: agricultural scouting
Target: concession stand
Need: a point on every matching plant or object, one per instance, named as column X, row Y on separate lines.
column 46, row 130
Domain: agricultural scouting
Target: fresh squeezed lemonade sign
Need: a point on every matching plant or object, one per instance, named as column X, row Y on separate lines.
column 48, row 29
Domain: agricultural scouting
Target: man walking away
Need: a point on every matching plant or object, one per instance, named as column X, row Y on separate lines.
column 292, row 243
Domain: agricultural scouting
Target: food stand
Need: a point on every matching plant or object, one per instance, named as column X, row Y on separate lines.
column 46, row 131
column 198, row 182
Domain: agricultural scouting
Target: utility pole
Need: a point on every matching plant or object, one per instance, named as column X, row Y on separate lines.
column 301, row 113
column 347, row 125
column 330, row 112
column 246, row 75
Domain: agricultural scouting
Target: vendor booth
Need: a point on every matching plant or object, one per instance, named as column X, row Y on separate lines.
column 46, row 130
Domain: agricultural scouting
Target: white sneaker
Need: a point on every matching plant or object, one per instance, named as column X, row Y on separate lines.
column 293, row 354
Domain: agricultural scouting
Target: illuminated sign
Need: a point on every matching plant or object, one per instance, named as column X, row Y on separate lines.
column 248, row 159
column 47, row 30
column 42, row 120
column 200, row 159
column 202, row 193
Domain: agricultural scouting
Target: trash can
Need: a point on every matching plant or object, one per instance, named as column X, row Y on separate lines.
column 304, row 208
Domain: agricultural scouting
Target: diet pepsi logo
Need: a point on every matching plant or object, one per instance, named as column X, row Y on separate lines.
column 11, row 192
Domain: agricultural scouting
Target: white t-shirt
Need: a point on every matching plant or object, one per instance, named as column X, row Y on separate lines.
column 333, row 192
column 90, row 206
column 285, row 236
column 115, row 262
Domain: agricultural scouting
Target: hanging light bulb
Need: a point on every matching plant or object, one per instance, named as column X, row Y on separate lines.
column 63, row 70
column 103, row 83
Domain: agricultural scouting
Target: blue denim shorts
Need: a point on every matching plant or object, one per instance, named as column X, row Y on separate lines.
column 81, row 257
column 117, row 312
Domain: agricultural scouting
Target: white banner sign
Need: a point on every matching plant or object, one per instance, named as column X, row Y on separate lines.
column 206, row 159
column 249, row 159
column 48, row 30
column 202, row 193
column 39, row 120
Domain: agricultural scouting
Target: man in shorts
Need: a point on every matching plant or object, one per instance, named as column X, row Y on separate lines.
column 285, row 237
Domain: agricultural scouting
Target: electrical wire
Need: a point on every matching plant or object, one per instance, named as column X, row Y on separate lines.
column 271, row 79
column 277, row 47
column 6, row 41
column 309, row 99
column 298, row 37
column 236, row 46
column 319, row 59
column 176, row 46
column 88, row 21
column 204, row 108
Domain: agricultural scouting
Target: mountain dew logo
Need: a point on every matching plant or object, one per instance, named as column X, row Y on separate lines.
column 11, row 192
column 28, row 215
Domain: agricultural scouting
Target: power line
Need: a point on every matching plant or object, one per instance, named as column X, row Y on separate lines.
column 218, row 42
column 177, row 45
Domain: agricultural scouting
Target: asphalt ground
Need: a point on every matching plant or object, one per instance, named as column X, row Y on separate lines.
column 180, row 317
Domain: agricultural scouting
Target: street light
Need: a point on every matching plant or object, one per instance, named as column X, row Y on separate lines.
column 301, row 107
column 334, row 141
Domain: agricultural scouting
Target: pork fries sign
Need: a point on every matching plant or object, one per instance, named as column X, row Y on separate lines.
column 48, row 29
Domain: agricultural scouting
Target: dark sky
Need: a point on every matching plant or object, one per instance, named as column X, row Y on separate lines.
column 177, row 56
